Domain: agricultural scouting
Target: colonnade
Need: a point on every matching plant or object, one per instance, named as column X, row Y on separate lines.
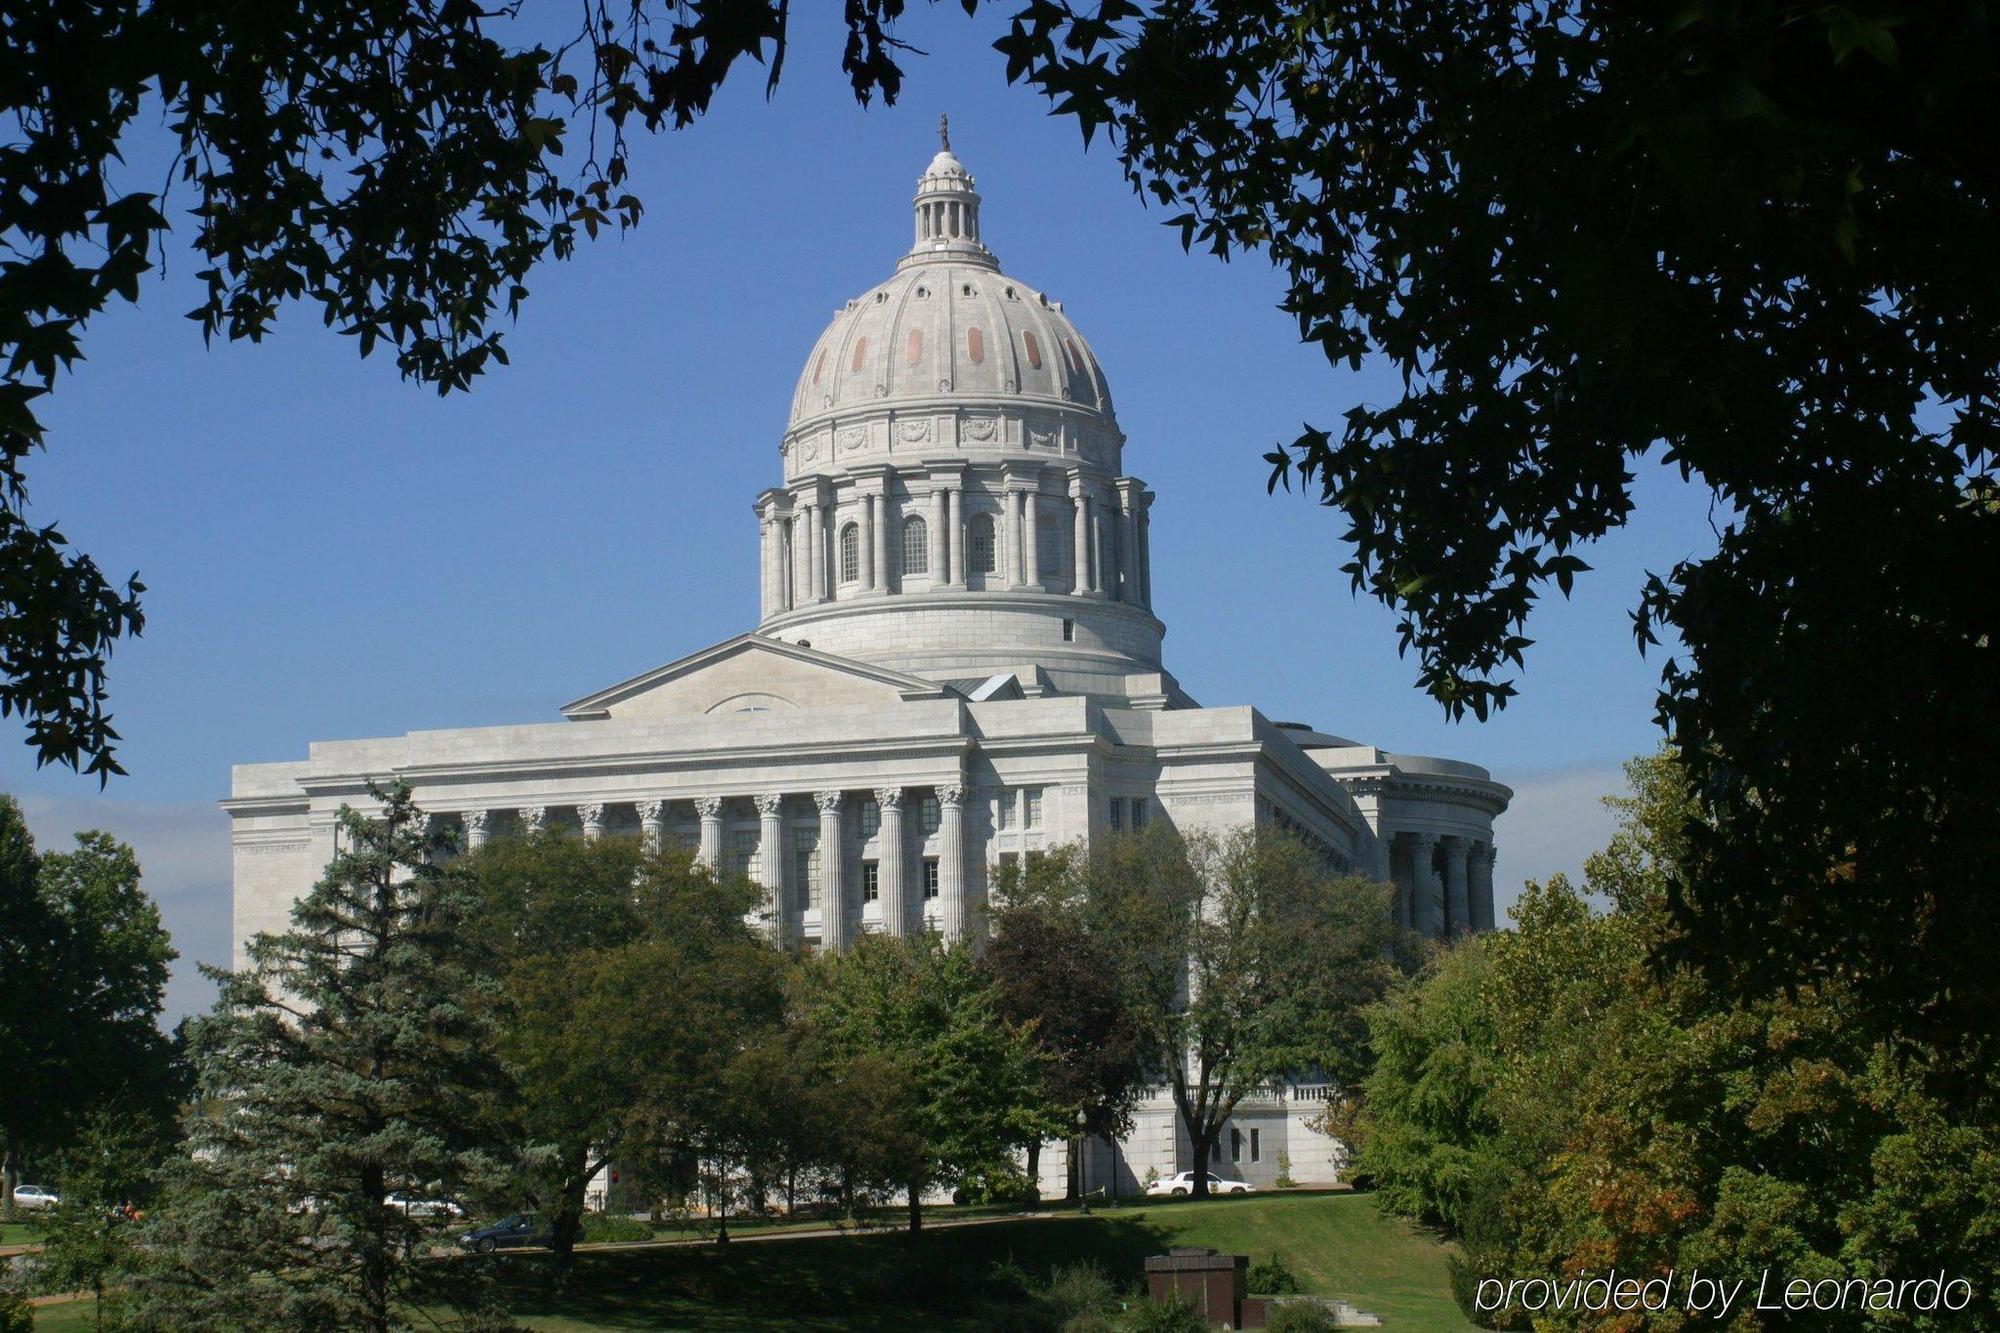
column 1444, row 882
column 1108, row 555
column 901, row 878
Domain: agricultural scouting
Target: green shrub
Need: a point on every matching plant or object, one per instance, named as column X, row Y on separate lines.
column 1273, row 1278
column 1175, row 1315
column 615, row 1230
column 16, row 1315
column 1075, row 1290
column 1284, row 1180
column 1300, row 1317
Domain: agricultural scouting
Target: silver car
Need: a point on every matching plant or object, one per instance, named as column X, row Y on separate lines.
column 35, row 1196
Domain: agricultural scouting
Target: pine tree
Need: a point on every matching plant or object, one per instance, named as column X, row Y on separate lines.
column 349, row 1061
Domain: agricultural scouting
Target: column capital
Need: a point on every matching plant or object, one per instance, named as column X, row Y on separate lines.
column 650, row 812
column 889, row 798
column 533, row 817
column 708, row 807
column 951, row 794
column 829, row 801
column 591, row 816
column 770, row 804
column 476, row 821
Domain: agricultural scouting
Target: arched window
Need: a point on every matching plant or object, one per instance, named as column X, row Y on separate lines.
column 850, row 554
column 979, row 539
column 916, row 546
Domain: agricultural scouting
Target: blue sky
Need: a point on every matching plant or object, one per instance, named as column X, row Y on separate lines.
column 332, row 552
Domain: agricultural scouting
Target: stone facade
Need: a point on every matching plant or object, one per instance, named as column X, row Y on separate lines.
column 956, row 663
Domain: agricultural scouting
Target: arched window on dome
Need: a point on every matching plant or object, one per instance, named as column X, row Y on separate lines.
column 916, row 546
column 979, row 544
column 850, row 554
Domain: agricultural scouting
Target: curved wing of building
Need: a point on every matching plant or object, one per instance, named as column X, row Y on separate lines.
column 956, row 662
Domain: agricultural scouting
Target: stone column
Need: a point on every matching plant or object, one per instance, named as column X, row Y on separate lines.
column 832, row 873
column 890, row 875
column 805, row 525
column 771, row 864
column 1457, row 903
column 1128, row 545
column 652, row 824
column 767, row 565
column 1008, row 534
column 1031, row 536
column 824, row 554
column 951, row 861
column 1145, row 552
column 475, row 829
column 533, row 817
column 954, row 504
column 938, row 572
column 1482, row 886
column 1080, row 508
column 875, row 551
column 1426, row 888
column 1103, row 575
column 591, row 816
column 710, row 852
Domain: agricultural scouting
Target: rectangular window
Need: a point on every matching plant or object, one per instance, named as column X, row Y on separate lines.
column 1215, row 1151
column 871, row 818
column 929, row 815
column 1235, row 1145
column 743, row 853
column 688, row 840
column 1138, row 812
column 1069, row 631
column 1256, row 1153
column 1117, row 813
column 805, row 863
column 871, row 881
column 930, row 878
column 1034, row 803
column 1004, row 811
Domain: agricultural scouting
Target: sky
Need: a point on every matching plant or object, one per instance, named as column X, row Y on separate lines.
column 332, row 552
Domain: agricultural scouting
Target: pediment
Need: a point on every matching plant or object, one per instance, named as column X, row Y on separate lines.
column 751, row 675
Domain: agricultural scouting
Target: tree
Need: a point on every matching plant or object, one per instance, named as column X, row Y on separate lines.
column 1560, row 1103
column 1064, row 982
column 1749, row 241
column 88, row 1246
column 1249, row 960
column 350, row 1060
column 629, row 982
column 85, row 960
column 400, row 167
column 935, row 1082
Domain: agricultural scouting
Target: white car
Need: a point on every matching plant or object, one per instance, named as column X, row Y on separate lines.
column 35, row 1196
column 415, row 1207
column 1183, row 1183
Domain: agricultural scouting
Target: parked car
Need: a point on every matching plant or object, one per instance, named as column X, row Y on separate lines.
column 35, row 1196
column 1183, row 1183
column 416, row 1207
column 522, row 1229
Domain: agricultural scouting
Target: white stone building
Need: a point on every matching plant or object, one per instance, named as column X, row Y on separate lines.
column 956, row 663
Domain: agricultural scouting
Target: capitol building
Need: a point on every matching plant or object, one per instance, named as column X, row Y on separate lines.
column 955, row 663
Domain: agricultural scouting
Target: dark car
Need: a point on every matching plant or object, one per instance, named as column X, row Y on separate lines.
column 519, row 1230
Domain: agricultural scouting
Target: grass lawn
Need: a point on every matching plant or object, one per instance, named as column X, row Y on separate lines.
column 1339, row 1244
column 19, row 1233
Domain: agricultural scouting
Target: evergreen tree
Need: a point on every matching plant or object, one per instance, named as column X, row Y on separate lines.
column 349, row 1061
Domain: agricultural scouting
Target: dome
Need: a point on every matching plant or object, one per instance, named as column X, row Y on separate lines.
column 954, row 503
column 949, row 354
column 944, row 330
